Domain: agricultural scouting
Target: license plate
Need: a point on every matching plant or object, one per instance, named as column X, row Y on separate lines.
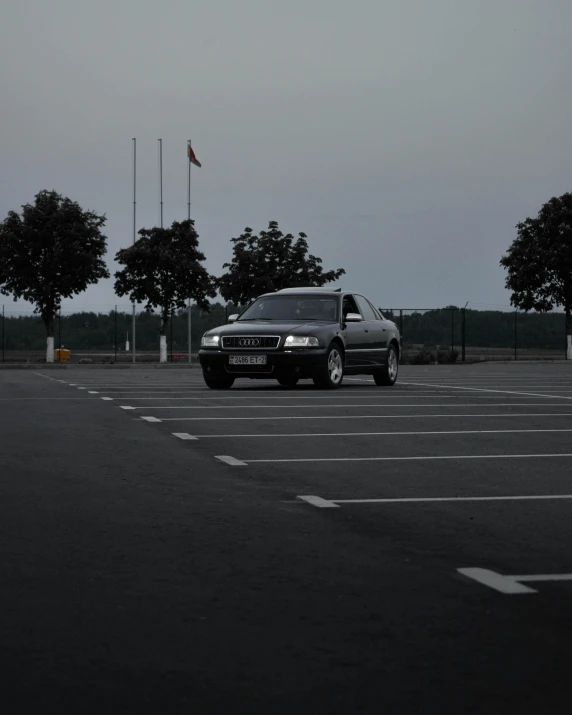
column 247, row 359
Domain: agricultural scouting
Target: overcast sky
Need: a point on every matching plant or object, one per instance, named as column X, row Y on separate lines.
column 405, row 137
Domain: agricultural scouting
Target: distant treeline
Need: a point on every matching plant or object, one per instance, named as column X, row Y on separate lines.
column 103, row 331
column 434, row 328
column 482, row 328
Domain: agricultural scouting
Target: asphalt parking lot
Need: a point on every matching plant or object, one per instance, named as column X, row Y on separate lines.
column 264, row 549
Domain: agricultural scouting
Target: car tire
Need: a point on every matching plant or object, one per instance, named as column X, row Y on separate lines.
column 288, row 381
column 332, row 374
column 387, row 376
column 221, row 382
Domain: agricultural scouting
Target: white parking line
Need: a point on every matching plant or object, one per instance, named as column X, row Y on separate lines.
column 352, row 396
column 406, row 459
column 47, row 377
column 20, row 399
column 378, row 434
column 261, row 389
column 515, row 379
column 363, row 398
column 92, row 392
column 184, row 435
column 143, row 390
column 482, row 389
column 230, row 460
column 107, row 399
column 150, row 419
column 488, row 387
column 366, row 417
column 510, row 584
column 393, row 405
column 149, row 390
column 142, row 386
column 330, row 503
column 521, row 379
column 82, row 388
column 126, row 407
column 513, row 389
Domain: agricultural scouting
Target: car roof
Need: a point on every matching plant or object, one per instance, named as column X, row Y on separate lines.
column 310, row 289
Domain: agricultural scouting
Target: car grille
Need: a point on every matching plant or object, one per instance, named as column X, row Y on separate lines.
column 250, row 342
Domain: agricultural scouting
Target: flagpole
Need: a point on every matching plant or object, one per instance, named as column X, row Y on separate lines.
column 134, row 224
column 189, row 181
column 161, row 183
column 189, row 218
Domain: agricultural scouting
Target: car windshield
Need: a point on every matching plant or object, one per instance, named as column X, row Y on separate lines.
column 293, row 307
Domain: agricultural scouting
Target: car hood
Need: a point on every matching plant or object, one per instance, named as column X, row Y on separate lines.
column 271, row 327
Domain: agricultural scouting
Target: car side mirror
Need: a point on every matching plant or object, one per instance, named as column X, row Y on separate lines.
column 232, row 318
column 353, row 318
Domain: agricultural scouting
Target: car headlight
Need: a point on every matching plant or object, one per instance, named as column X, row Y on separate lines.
column 297, row 341
column 210, row 341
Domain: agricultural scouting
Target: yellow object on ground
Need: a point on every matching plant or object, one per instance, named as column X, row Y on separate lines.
column 62, row 355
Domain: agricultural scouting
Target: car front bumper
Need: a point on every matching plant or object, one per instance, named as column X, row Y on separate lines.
column 304, row 363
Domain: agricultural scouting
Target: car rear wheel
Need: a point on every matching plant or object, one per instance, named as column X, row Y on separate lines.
column 333, row 372
column 221, row 382
column 288, row 381
column 388, row 374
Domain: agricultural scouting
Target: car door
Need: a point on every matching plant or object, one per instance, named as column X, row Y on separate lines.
column 375, row 354
column 356, row 335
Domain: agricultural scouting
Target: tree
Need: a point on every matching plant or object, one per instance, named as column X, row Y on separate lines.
column 539, row 262
column 163, row 269
column 53, row 250
column 270, row 262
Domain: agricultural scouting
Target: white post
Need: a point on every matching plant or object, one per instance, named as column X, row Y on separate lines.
column 50, row 350
column 163, row 349
column 189, row 329
column 569, row 347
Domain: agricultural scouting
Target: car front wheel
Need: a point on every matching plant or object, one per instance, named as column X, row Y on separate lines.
column 333, row 373
column 388, row 374
column 221, row 382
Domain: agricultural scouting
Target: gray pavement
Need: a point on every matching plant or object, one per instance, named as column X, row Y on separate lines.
column 170, row 549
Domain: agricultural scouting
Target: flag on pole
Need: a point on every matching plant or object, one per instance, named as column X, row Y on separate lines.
column 192, row 158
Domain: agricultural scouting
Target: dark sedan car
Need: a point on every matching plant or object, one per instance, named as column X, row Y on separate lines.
column 303, row 333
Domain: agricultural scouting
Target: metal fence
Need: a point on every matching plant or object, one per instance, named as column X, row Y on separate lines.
column 462, row 334
column 96, row 336
column 428, row 335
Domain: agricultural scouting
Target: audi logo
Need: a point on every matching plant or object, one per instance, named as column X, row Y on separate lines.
column 249, row 342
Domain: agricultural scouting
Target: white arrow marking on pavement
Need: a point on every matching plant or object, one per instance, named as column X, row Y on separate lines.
column 230, row 460
column 510, row 584
column 319, row 502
